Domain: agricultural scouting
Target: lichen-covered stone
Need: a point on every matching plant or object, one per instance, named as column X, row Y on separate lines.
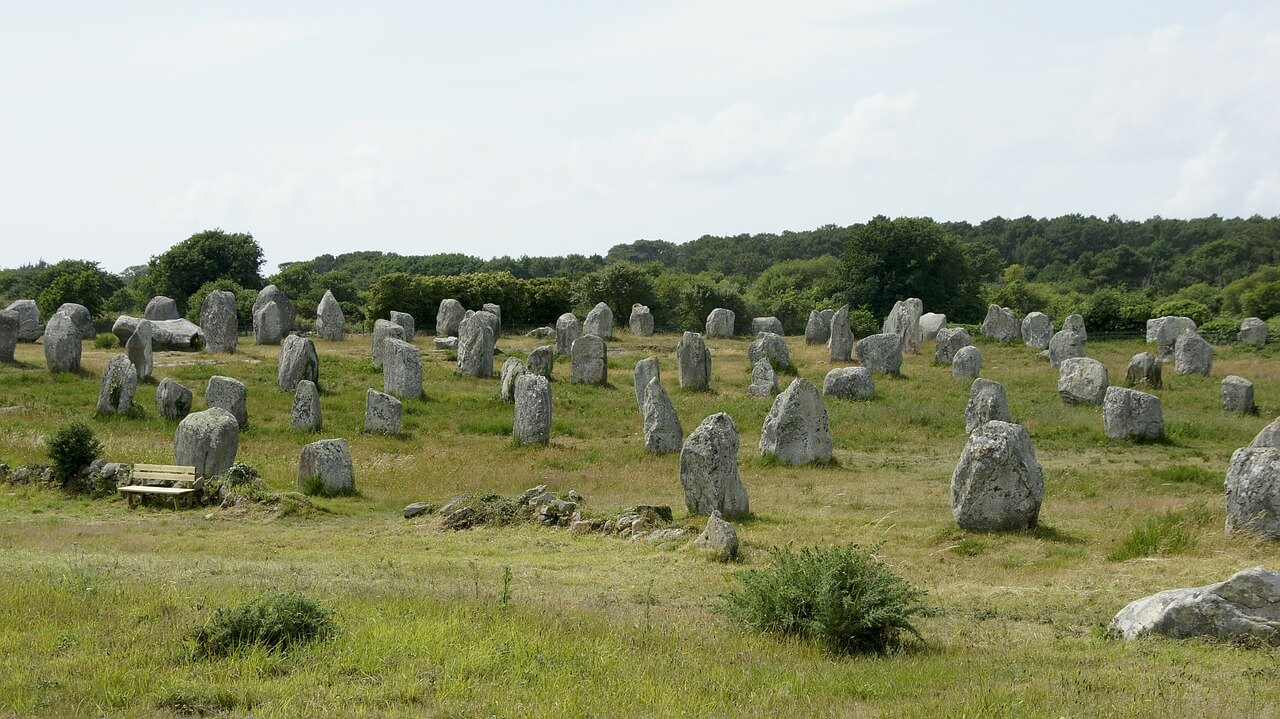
column 770, row 347
column 930, row 324
column 663, row 432
column 119, row 383
column 298, row 361
column 1237, row 395
column 208, row 441
column 329, row 318
column 693, row 362
column 1164, row 332
column 949, row 340
column 709, row 469
column 476, row 339
column 512, row 368
column 590, row 360
column 1064, row 344
column 9, row 325
column 904, row 321
column 641, row 321
column 1253, row 332
column 797, row 429
column 1192, row 354
column 599, row 321
column 817, row 330
column 268, row 324
column 987, row 403
column 966, row 363
column 29, row 326
column 382, row 331
column 383, row 413
column 1037, row 330
column 219, row 321
column 720, row 323
column 1082, row 380
column 1144, row 371
column 1130, row 414
column 173, row 399
column 449, row 317
column 767, row 324
column 62, row 344
column 401, row 369
column 882, row 354
column 998, row 483
column 764, row 380
column 532, row 423
column 1253, row 492
column 305, row 415
column 230, row 394
column 646, row 369
column 138, row 348
column 1001, row 324
column 270, row 294
column 568, row 330
column 328, row 460
column 1244, row 607
column 80, row 316
column 840, row 342
column 542, row 360
column 719, row 537
column 405, row 320
column 1075, row 323
column 161, row 308
column 849, row 383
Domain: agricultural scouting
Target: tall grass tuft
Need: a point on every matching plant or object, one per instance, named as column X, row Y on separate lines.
column 278, row 622
column 1167, row 534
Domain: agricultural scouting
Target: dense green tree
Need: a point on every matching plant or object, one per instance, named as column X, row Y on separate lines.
column 888, row 260
column 790, row 290
column 205, row 257
column 619, row 285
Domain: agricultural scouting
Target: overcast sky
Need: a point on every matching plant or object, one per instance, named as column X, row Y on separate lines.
column 556, row 127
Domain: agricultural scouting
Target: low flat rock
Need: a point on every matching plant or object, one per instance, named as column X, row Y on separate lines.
column 1245, row 606
column 882, row 354
column 849, row 383
column 179, row 335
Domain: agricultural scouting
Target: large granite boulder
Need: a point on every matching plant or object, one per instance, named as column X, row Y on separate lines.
column 663, row 433
column 298, row 361
column 567, row 332
column 1064, row 344
column 590, row 360
column 270, row 294
column 904, row 321
column 230, row 394
column 882, row 353
column 268, row 324
column 401, row 369
column 448, row 317
column 80, row 316
column 693, row 362
column 764, row 380
column 1037, row 330
column 1082, row 380
column 173, row 399
column 496, row 311
column 1164, row 332
column 305, row 415
column 641, row 321
column 987, row 403
column 512, row 369
column 709, row 469
column 599, row 322
column 161, row 308
column 719, row 538
column 405, row 320
column 849, row 383
column 1269, row 436
column 770, row 347
column 1253, row 492
column 1244, row 607
column 1237, row 396
column 840, row 342
column 384, row 330
column 119, row 383
column 9, row 325
column 1253, row 331
column 138, row 347
column 1144, row 371
column 720, row 323
column 208, row 441
column 219, row 321
column 329, row 319
column 383, row 413
column 646, row 369
column 1001, row 324
column 29, row 326
column 329, row 461
column 817, row 330
column 797, row 430
column 949, row 340
column 966, row 363
column 930, row 324
column 176, row 334
column 476, row 338
column 62, row 344
column 1130, row 414
column 1075, row 323
column 1192, row 354
column 767, row 324
column 998, row 484
column 533, row 410
column 542, row 360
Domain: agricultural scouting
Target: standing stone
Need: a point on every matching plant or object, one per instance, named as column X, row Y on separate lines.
column 828, row 315
column 229, row 394
column 270, row 294
column 1082, row 380
column 29, row 327
column 328, row 460
column 930, row 324
column 764, row 380
column 599, row 322
column 641, row 321
column 329, row 318
column 1064, row 344
column 512, row 369
column 1253, row 331
column 1037, row 330
column 138, row 347
column 1001, row 324
column 219, row 322
column 401, row 369
column 305, row 416
column 840, row 343
column 720, row 323
column 1192, row 354
column 849, row 383
column 1237, row 395
column 1246, row 607
column 590, row 360
column 298, row 361
column 475, row 346
column 383, row 414
column 949, row 341
column 646, row 369
column 496, row 311
column 567, row 331
column 1144, row 371
column 382, row 331
column 966, row 363
column 1075, row 323
column 448, row 317
column 1269, row 436
column 767, row 324
column 771, row 347
column 62, row 344
column 719, row 538
column 882, row 353
column 268, row 324
column 904, row 321
column 161, row 308
column 987, row 402
column 533, row 410
column 693, row 362
column 173, row 399
column 1130, row 414
column 542, row 360
column 709, row 469
column 1164, row 332
column 662, row 430
column 797, row 430
column 8, row 334
column 119, row 383
column 1253, row 492
column 208, row 441
column 818, row 329
column 998, row 484
column 405, row 320
column 80, row 316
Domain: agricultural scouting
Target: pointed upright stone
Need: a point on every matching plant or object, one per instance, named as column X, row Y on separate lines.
column 662, row 431
column 840, row 344
column 298, row 361
column 270, row 294
column 599, row 322
column 764, row 380
column 797, row 430
column 62, row 344
column 329, row 318
column 567, row 331
column 646, row 369
column 305, row 416
column 818, row 329
column 904, row 321
column 173, row 399
column 709, row 469
column 449, row 317
column 987, row 402
column 138, row 347
column 383, row 414
column 641, row 321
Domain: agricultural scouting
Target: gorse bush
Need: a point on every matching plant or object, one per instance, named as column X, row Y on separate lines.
column 842, row 597
column 278, row 622
column 70, row 449
column 105, row 341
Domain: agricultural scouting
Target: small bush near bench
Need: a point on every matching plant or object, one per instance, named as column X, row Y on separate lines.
column 278, row 621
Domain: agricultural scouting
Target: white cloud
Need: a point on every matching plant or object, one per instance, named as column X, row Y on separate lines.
column 875, row 129
column 1203, row 181
column 740, row 139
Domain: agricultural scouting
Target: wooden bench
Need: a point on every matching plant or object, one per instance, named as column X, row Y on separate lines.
column 176, row 483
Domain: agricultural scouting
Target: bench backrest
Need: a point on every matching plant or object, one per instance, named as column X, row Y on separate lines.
column 144, row 473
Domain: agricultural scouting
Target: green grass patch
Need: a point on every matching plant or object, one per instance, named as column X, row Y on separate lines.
column 277, row 622
column 1168, row 534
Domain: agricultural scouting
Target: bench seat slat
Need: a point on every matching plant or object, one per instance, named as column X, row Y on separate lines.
column 142, row 489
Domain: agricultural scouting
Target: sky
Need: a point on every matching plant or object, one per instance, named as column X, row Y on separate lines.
column 511, row 128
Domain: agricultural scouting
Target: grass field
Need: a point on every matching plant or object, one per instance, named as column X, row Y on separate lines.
column 97, row 602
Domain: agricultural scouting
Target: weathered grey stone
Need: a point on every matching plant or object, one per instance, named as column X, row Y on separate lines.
column 208, row 441
column 1063, row 345
column 797, row 430
column 987, row 402
column 1130, row 414
column 173, row 399
column 445, row 343
column 949, row 341
column 382, row 331
column 29, row 326
column 306, row 416
column 1001, row 324
column 646, row 369
column 966, row 363
column 401, row 369
column 269, row 294
column 512, row 369
column 998, row 484
column 405, row 320
column 693, row 362
column 849, row 383
column 1269, row 436
column 494, row 322
column 412, row 510
column 1192, row 354
column 329, row 318
column 229, row 394
column 533, row 410
column 767, row 324
column 8, row 334
column 542, row 360
column 476, row 338
column 567, row 331
column 138, row 347
column 771, row 347
column 930, row 324
column 663, row 433
column 599, row 322
column 840, row 342
column 449, row 317
column 328, row 460
column 1164, row 332
column 904, row 321
column 721, row 323
column 1237, row 395
column 1253, row 331
column 1253, row 492
column 161, row 308
column 1075, row 323
column 62, row 344
column 882, row 353
column 1037, row 330
column 496, row 311
column 709, row 469
column 641, row 321
column 1082, row 380
column 719, row 538
column 298, row 361
column 119, row 383
column 383, row 414
column 176, row 334
column 80, row 315
column 219, row 322
column 1144, row 371
column 268, row 324
column 1246, row 606
column 764, row 380
column 590, row 363
column 818, row 329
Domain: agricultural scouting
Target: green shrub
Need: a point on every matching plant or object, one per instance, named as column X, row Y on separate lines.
column 1180, row 307
column 105, row 341
column 71, row 449
column 278, row 622
column 1166, row 534
column 842, row 597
